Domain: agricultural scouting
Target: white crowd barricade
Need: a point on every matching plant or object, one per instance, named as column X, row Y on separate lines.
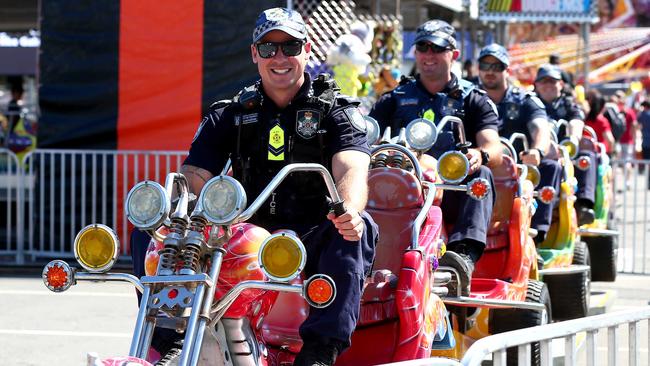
column 631, row 214
column 612, row 349
column 635, row 319
column 75, row 188
column 11, row 208
column 52, row 193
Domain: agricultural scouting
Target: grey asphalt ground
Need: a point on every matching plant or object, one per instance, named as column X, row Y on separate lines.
column 38, row 327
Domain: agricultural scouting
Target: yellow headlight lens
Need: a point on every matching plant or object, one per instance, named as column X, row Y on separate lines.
column 282, row 257
column 571, row 147
column 533, row 175
column 453, row 167
column 96, row 248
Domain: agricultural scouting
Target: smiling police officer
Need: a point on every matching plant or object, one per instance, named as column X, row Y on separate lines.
column 560, row 105
column 522, row 112
column 286, row 117
column 435, row 93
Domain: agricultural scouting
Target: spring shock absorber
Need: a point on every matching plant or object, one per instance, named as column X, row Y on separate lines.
column 172, row 244
column 191, row 253
column 397, row 160
column 380, row 160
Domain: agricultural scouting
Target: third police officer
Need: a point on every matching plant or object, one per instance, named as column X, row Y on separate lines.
column 521, row 112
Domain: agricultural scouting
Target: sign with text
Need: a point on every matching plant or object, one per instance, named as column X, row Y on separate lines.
column 564, row 11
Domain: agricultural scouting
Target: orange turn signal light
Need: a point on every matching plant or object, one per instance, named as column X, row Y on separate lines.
column 58, row 276
column 547, row 194
column 319, row 290
column 478, row 188
column 583, row 163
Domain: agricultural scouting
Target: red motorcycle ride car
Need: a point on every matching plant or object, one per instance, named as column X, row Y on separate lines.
column 236, row 290
column 505, row 291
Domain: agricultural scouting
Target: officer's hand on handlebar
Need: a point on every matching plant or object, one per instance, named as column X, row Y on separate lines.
column 475, row 160
column 531, row 157
column 350, row 224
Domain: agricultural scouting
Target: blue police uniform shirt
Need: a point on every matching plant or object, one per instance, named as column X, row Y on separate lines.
column 564, row 107
column 215, row 139
column 411, row 100
column 517, row 109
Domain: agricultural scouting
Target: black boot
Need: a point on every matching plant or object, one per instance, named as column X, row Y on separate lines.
column 584, row 212
column 171, row 355
column 462, row 263
column 317, row 354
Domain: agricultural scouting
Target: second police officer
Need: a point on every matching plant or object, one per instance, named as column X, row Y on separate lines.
column 521, row 112
column 562, row 106
column 434, row 93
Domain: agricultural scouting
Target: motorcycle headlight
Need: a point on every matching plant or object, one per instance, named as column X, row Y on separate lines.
column 533, row 175
column 222, row 199
column 147, row 205
column 372, row 130
column 421, row 134
column 572, row 147
column 453, row 167
column 282, row 257
column 96, row 247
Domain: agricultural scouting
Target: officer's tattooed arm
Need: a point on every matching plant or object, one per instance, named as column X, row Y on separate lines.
column 196, row 177
column 350, row 170
column 488, row 140
column 541, row 134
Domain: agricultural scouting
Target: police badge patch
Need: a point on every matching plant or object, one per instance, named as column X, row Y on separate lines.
column 513, row 111
column 356, row 118
column 307, row 122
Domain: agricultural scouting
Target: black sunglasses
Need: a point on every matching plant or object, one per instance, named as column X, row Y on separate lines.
column 424, row 46
column 487, row 66
column 270, row 49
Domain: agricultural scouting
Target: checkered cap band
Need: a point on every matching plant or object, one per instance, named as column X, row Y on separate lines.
column 548, row 70
column 497, row 51
column 286, row 20
column 437, row 31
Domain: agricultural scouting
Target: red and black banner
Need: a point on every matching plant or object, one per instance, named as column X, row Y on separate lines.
column 137, row 75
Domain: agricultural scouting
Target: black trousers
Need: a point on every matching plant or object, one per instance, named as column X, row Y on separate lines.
column 550, row 172
column 348, row 263
column 470, row 217
column 587, row 178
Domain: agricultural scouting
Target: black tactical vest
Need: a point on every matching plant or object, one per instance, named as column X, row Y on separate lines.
column 301, row 199
column 412, row 102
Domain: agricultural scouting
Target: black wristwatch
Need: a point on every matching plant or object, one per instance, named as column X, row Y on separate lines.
column 541, row 153
column 485, row 157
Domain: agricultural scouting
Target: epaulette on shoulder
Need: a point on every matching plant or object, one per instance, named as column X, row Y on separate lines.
column 567, row 97
column 220, row 104
column 406, row 79
column 344, row 100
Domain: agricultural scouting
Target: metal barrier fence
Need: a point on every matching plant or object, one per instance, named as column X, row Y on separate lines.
column 52, row 194
column 569, row 331
column 631, row 186
column 48, row 197
column 585, row 328
column 10, row 210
